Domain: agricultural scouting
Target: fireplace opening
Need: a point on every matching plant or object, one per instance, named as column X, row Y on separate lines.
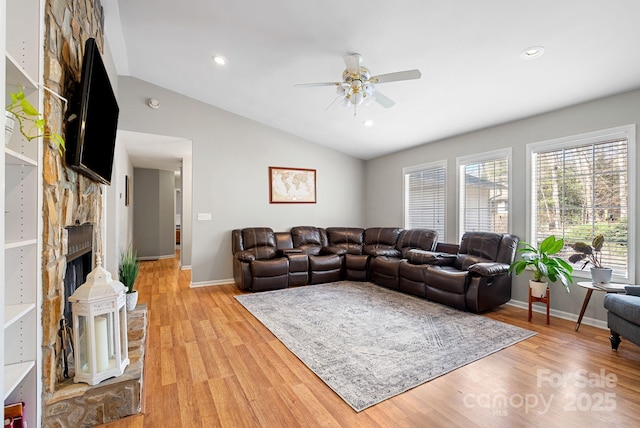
column 79, row 262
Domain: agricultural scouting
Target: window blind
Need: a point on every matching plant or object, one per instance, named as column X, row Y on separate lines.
column 425, row 198
column 484, row 195
column 582, row 191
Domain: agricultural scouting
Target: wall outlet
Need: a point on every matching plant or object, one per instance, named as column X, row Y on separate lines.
column 204, row 216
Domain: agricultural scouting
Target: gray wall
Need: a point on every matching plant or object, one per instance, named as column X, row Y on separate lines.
column 230, row 161
column 153, row 201
column 384, row 191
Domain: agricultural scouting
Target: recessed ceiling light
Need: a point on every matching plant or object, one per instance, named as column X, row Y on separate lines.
column 219, row 59
column 368, row 123
column 532, row 52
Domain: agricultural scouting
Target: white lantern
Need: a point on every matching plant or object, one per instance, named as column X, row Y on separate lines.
column 99, row 328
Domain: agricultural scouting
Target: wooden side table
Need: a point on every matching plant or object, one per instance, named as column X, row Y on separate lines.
column 545, row 300
column 618, row 288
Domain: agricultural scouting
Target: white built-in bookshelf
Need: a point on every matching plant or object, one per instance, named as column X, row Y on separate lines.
column 22, row 249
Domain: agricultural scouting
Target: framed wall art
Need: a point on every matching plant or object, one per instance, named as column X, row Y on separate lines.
column 292, row 185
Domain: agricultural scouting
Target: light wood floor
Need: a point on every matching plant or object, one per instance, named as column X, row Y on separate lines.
column 210, row 363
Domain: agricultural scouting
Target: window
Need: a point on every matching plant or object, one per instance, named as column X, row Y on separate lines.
column 483, row 183
column 580, row 188
column 424, row 197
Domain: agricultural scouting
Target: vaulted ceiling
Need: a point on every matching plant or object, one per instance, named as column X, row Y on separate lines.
column 469, row 53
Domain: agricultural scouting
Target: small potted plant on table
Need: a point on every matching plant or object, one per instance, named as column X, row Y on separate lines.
column 127, row 273
column 592, row 254
column 543, row 264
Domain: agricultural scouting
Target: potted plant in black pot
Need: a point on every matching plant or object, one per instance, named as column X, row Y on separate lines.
column 592, row 254
column 127, row 273
column 544, row 265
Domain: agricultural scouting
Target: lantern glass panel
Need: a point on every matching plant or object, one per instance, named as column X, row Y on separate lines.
column 124, row 351
column 83, row 365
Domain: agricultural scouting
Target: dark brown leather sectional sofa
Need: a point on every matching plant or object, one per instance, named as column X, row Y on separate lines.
column 473, row 275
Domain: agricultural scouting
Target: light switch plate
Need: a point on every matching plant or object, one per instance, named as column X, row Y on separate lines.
column 204, row 216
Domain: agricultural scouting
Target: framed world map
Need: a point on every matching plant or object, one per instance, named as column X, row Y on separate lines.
column 292, row 185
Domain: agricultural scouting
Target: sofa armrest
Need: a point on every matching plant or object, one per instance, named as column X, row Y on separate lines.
column 489, row 268
column 245, row 256
column 334, row 249
column 287, row 251
column 421, row 257
column 388, row 252
column 633, row 290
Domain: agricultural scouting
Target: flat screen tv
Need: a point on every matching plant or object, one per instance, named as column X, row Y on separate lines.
column 93, row 120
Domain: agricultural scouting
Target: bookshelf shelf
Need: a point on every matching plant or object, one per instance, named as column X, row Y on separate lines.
column 12, row 157
column 17, row 74
column 17, row 243
column 13, row 313
column 14, row 374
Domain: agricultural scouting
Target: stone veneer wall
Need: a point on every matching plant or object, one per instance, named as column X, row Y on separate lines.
column 68, row 198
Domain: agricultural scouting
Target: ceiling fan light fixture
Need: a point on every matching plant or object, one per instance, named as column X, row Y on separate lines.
column 532, row 52
column 359, row 87
column 368, row 89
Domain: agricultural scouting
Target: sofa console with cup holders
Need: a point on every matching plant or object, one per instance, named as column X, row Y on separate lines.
column 472, row 275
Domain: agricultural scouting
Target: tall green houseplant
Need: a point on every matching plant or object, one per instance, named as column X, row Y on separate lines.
column 128, row 268
column 542, row 262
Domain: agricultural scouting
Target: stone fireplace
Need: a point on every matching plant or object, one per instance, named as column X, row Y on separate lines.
column 71, row 404
column 71, row 200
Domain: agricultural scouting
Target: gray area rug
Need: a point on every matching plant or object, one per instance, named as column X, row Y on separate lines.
column 368, row 343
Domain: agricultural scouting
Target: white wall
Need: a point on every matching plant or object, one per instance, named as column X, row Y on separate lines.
column 186, row 236
column 118, row 223
column 230, row 161
column 384, row 175
column 119, row 219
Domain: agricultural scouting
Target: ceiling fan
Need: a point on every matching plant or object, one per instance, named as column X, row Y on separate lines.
column 358, row 86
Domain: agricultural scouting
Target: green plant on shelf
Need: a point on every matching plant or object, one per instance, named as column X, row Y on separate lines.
column 30, row 121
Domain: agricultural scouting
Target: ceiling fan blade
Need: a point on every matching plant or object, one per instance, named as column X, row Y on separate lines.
column 333, row 102
column 352, row 61
column 383, row 100
column 398, row 75
column 318, row 84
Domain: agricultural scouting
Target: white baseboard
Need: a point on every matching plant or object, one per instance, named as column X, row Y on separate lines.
column 212, row 283
column 168, row 256
column 185, row 267
column 560, row 314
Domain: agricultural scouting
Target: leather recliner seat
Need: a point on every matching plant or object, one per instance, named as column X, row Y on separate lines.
column 385, row 267
column 376, row 242
column 477, row 278
column 257, row 265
